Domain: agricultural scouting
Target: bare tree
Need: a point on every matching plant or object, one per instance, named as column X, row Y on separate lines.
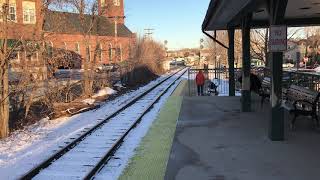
column 89, row 18
column 4, row 72
column 260, row 39
column 219, row 53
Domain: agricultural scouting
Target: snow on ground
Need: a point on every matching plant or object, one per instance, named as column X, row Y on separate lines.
column 223, row 87
column 88, row 101
column 105, row 91
column 115, row 166
column 25, row 149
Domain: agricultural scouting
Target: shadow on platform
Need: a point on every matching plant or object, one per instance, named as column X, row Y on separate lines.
column 213, row 140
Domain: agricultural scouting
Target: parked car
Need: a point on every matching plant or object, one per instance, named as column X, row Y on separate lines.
column 177, row 62
column 107, row 68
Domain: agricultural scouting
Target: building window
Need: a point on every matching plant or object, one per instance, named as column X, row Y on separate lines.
column 103, row 3
column 116, row 2
column 110, row 52
column 77, row 48
column 12, row 13
column 29, row 15
column 121, row 58
column 100, row 53
column 119, row 53
column 50, row 49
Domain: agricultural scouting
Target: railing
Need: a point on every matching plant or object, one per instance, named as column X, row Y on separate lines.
column 219, row 76
column 304, row 79
column 310, row 80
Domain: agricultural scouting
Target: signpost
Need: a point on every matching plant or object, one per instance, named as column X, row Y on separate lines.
column 277, row 45
column 278, row 38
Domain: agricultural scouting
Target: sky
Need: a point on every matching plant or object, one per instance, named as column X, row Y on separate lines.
column 177, row 21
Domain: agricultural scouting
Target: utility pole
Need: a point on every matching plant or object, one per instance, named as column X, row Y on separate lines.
column 200, row 48
column 148, row 33
column 166, row 48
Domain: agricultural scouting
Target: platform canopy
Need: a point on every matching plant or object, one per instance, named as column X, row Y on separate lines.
column 223, row 14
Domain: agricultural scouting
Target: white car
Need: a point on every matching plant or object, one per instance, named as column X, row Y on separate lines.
column 288, row 65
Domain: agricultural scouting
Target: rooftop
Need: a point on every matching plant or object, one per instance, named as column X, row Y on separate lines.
column 222, row 14
column 71, row 23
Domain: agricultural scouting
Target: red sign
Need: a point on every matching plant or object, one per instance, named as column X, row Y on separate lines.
column 278, row 38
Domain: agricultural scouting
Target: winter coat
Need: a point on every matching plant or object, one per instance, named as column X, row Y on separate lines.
column 200, row 79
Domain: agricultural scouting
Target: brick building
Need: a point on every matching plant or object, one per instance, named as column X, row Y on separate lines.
column 103, row 37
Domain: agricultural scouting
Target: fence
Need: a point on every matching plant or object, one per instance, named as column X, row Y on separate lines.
column 219, row 76
column 310, row 80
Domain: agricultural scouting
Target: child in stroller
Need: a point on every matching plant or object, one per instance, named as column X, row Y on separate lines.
column 212, row 88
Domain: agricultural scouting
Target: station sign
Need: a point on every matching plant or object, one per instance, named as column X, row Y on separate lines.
column 278, row 39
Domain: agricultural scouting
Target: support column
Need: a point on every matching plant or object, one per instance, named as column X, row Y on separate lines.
column 231, row 62
column 246, row 59
column 276, row 126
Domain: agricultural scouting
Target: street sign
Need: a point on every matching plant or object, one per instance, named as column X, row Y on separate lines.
column 278, row 38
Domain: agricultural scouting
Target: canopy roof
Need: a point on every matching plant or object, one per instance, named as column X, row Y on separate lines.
column 223, row 14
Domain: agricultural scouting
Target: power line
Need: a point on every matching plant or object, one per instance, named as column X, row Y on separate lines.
column 148, row 33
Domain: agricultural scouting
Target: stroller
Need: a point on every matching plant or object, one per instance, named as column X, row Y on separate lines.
column 212, row 89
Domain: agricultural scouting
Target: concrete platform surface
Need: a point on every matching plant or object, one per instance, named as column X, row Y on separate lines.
column 213, row 140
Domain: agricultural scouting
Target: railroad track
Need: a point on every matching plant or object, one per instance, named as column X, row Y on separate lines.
column 85, row 156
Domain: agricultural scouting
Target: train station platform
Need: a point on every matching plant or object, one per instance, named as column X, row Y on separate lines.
column 215, row 141
column 209, row 138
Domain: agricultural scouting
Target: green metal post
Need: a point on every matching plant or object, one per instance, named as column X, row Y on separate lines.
column 231, row 62
column 277, row 12
column 276, row 130
column 245, row 92
column 189, row 84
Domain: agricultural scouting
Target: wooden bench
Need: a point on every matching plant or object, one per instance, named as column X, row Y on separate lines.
column 265, row 90
column 301, row 101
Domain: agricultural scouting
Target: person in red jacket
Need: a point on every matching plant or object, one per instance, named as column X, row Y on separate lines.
column 200, row 82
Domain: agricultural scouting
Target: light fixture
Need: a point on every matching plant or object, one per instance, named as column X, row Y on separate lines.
column 305, row 8
column 259, row 10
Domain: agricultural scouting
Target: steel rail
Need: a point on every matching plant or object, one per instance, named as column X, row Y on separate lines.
column 118, row 143
column 33, row 172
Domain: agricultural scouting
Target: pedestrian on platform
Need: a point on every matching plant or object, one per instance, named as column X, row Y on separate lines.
column 200, row 82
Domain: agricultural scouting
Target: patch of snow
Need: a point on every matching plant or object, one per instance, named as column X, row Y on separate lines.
column 105, row 91
column 118, row 84
column 25, row 149
column 126, row 151
column 89, row 101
